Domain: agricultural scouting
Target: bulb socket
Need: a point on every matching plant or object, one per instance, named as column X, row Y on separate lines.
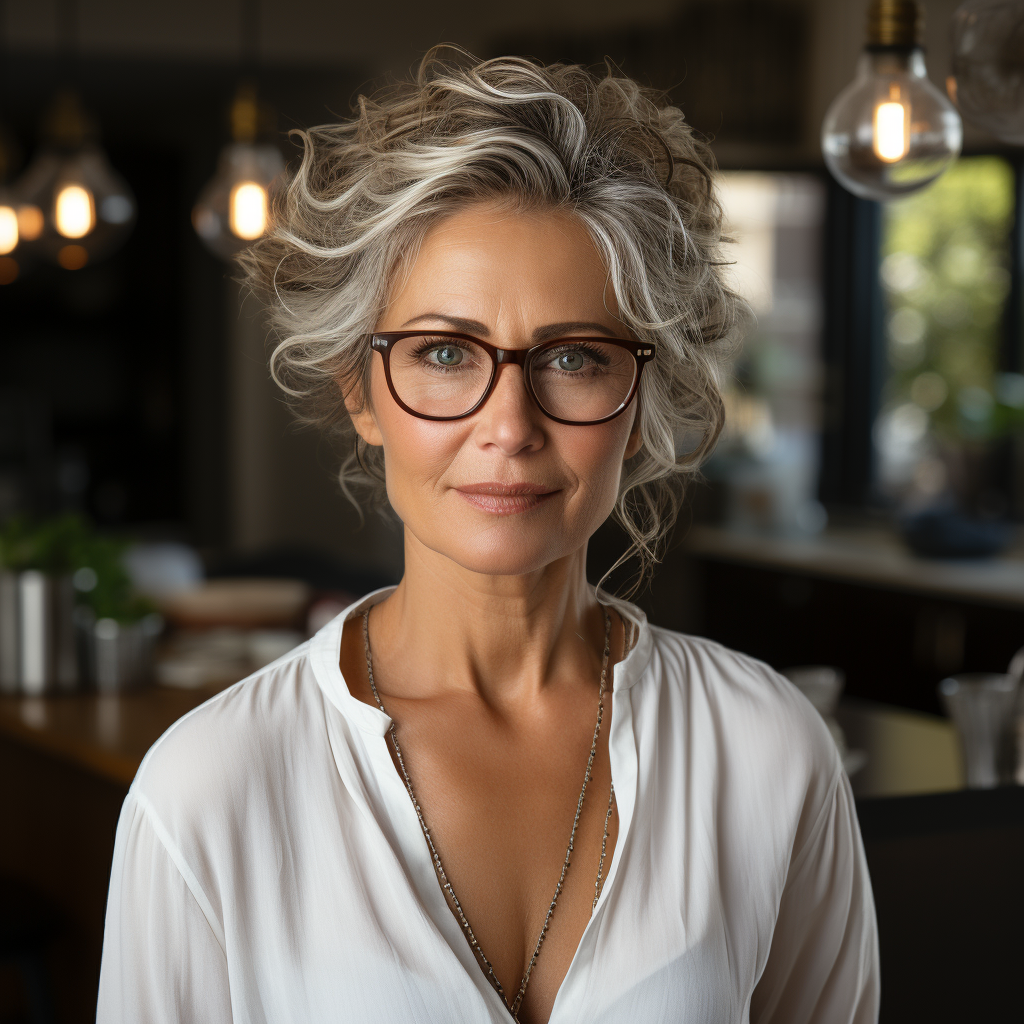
column 245, row 114
column 895, row 23
column 66, row 124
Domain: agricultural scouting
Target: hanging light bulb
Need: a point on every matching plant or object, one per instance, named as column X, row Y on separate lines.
column 30, row 222
column 247, row 216
column 20, row 225
column 8, row 228
column 987, row 83
column 234, row 207
column 891, row 132
column 10, row 233
column 10, row 266
column 74, row 211
column 8, row 202
column 75, row 208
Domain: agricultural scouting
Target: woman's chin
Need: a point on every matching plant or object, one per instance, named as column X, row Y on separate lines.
column 493, row 555
column 504, row 566
column 503, row 562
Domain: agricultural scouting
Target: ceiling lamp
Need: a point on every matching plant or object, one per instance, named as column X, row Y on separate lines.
column 76, row 208
column 234, row 207
column 987, row 83
column 9, row 234
column 891, row 132
column 10, row 231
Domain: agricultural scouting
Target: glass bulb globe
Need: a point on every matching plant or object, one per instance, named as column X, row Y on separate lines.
column 20, row 223
column 10, row 235
column 988, row 66
column 234, row 207
column 9, row 232
column 76, row 205
column 890, row 132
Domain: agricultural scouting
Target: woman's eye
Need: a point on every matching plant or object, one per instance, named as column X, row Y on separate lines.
column 570, row 361
column 448, row 356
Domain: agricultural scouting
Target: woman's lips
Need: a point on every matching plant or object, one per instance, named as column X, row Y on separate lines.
column 505, row 499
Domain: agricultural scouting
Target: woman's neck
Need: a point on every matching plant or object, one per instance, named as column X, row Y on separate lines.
column 503, row 637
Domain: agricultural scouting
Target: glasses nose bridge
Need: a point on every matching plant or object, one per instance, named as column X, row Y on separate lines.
column 511, row 357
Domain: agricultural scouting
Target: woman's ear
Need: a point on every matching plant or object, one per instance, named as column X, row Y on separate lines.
column 361, row 414
column 635, row 442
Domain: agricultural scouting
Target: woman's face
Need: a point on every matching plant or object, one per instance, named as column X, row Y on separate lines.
column 505, row 491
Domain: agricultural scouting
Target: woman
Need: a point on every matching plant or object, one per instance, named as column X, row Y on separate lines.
column 493, row 791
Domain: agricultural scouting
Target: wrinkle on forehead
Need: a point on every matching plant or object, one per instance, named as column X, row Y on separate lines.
column 571, row 269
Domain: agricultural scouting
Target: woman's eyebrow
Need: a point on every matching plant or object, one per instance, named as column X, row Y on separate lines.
column 457, row 323
column 541, row 334
column 571, row 327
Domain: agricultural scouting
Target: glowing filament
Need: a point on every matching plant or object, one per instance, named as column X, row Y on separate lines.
column 248, row 210
column 8, row 230
column 75, row 211
column 891, row 142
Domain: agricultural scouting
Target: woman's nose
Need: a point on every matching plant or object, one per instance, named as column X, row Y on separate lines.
column 510, row 419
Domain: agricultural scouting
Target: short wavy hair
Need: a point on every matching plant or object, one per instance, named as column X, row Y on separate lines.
column 601, row 147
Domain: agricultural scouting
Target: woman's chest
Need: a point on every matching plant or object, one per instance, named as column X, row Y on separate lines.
column 521, row 826
column 376, row 957
column 352, row 926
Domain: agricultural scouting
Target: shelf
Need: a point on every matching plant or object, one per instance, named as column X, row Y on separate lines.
column 874, row 557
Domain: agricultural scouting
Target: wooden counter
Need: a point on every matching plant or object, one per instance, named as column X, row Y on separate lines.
column 107, row 735
column 66, row 763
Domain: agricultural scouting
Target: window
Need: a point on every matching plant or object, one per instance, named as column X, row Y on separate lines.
column 945, row 270
column 768, row 456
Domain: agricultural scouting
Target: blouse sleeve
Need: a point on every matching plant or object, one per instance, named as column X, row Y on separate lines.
column 823, row 963
column 162, row 959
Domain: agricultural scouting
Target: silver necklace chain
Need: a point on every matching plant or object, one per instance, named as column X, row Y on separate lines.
column 446, row 885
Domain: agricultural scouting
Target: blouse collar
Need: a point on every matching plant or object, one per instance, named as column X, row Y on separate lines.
column 325, row 659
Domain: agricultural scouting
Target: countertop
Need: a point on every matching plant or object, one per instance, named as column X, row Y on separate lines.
column 869, row 555
column 108, row 735
column 105, row 734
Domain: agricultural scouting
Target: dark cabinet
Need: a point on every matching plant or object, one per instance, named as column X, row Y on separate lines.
column 895, row 645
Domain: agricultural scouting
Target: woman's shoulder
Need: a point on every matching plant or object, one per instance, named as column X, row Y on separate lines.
column 744, row 728
column 699, row 661
column 740, row 701
column 249, row 737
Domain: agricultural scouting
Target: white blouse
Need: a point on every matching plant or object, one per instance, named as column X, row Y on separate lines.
column 269, row 865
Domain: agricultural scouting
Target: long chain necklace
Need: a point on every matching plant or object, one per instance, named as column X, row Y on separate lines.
column 446, row 886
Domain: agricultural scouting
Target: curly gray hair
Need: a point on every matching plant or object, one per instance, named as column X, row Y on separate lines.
column 508, row 130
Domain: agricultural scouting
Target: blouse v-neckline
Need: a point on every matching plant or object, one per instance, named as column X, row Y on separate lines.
column 405, row 827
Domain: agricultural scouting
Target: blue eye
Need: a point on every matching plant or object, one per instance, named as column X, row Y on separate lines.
column 448, row 356
column 570, row 361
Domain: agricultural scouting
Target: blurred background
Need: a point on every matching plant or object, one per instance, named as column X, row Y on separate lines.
column 858, row 526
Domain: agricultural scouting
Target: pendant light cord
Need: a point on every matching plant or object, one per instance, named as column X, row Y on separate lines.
column 249, row 37
column 68, row 40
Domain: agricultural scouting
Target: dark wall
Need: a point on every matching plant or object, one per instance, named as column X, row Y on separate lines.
column 114, row 376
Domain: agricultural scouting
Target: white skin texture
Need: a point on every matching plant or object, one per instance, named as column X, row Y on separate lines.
column 488, row 654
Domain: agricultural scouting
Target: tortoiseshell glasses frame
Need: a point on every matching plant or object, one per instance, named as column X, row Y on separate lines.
column 641, row 352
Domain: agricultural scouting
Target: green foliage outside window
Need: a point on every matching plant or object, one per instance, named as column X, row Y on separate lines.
column 946, row 274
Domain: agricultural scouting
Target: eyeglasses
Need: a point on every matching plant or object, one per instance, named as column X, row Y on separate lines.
column 440, row 375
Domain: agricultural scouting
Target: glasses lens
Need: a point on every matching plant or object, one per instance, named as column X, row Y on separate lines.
column 582, row 380
column 438, row 376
